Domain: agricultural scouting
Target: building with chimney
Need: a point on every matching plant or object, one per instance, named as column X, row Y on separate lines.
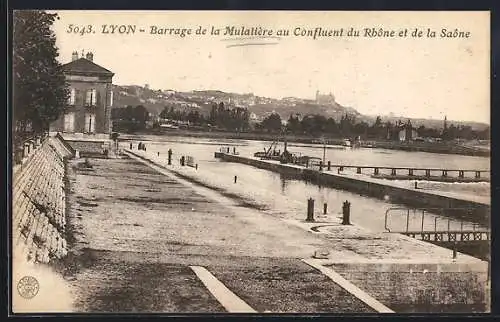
column 90, row 100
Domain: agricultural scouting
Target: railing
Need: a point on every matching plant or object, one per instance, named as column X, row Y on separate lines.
column 451, row 236
column 471, row 232
column 410, row 171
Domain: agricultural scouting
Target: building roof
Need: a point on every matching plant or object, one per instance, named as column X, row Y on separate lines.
column 85, row 66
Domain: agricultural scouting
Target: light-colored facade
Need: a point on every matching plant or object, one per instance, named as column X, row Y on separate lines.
column 90, row 100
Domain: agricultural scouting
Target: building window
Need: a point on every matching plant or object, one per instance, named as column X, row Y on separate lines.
column 69, row 122
column 91, row 98
column 89, row 123
column 72, row 95
column 111, row 98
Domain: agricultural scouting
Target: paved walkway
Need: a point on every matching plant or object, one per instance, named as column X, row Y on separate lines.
column 147, row 240
column 139, row 233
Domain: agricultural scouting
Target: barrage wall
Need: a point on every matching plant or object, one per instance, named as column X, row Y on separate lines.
column 477, row 212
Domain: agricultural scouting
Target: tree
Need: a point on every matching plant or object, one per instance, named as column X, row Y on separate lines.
column 377, row 130
column 40, row 90
column 293, row 124
column 141, row 116
column 272, row 122
column 331, row 126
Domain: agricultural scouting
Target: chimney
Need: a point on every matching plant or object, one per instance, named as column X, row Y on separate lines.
column 74, row 56
column 89, row 56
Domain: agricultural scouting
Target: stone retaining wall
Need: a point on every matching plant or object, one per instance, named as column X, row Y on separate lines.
column 38, row 203
column 421, row 287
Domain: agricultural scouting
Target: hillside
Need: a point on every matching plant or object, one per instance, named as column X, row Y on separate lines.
column 156, row 100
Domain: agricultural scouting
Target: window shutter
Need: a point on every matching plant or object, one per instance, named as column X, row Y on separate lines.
column 94, row 97
column 72, row 96
column 88, row 97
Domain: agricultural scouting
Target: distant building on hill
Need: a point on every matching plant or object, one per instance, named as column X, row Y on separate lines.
column 325, row 99
column 90, row 100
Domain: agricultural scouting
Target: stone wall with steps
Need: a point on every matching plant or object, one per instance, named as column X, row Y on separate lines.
column 38, row 203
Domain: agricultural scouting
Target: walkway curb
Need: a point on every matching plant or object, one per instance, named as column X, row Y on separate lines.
column 231, row 302
column 349, row 287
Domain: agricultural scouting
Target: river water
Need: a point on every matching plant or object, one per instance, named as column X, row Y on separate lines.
column 286, row 198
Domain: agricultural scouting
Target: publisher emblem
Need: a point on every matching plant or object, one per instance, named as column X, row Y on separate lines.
column 28, row 287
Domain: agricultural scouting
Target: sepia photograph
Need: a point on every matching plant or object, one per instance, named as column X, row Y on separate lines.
column 258, row 162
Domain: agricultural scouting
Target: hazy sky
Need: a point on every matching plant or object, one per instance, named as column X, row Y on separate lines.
column 414, row 77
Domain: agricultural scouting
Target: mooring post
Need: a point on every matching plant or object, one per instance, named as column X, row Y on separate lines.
column 325, row 208
column 169, row 156
column 346, row 213
column 310, row 210
column 329, row 165
column 235, row 179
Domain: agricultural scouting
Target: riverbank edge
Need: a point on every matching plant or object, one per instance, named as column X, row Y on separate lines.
column 440, row 148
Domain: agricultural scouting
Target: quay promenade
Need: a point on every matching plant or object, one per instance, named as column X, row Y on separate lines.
column 374, row 256
column 142, row 236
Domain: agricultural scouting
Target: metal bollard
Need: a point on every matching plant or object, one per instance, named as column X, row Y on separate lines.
column 196, row 166
column 346, row 213
column 325, row 208
column 158, row 153
column 169, row 156
column 416, row 187
column 329, row 165
column 310, row 210
column 235, row 179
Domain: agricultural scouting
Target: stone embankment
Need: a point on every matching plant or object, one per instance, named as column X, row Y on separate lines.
column 38, row 203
